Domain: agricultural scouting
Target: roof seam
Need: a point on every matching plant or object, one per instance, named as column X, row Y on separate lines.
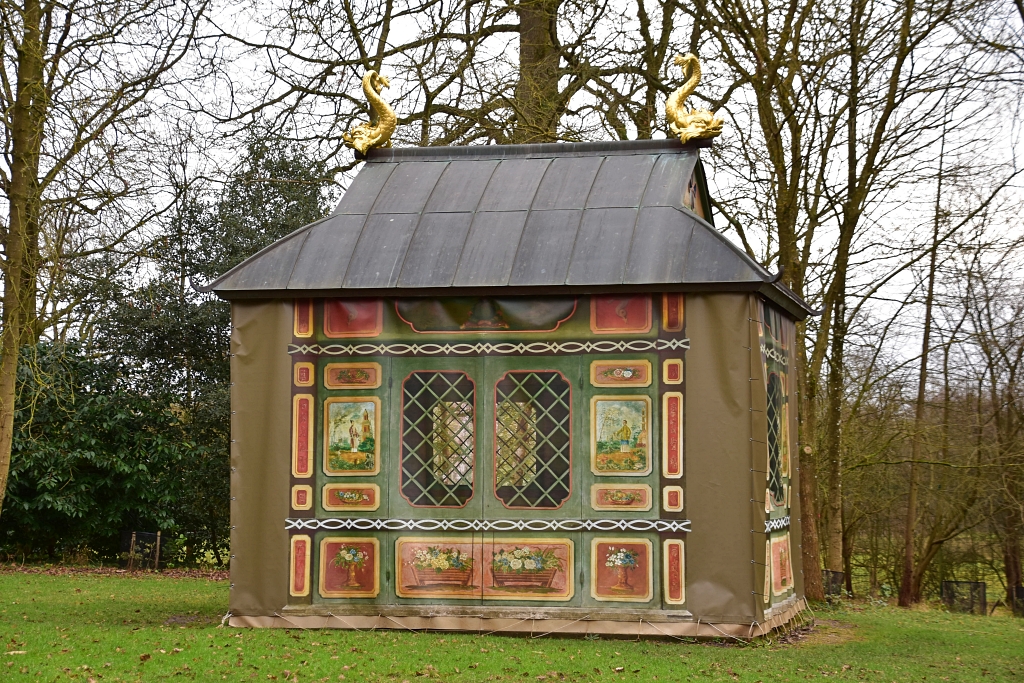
column 366, row 219
column 419, row 219
column 476, row 212
column 267, row 248
column 636, row 219
column 526, row 221
column 583, row 213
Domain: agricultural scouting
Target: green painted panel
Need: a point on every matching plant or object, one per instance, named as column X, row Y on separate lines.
column 445, row 477
column 607, row 495
column 383, row 438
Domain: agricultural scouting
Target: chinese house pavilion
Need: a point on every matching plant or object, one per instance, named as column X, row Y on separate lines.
column 506, row 384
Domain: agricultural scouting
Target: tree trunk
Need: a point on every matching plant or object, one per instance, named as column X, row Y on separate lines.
column 910, row 585
column 27, row 116
column 808, row 477
column 537, row 96
column 834, row 432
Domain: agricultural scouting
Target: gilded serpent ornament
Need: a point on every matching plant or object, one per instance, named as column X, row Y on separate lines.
column 690, row 124
column 376, row 133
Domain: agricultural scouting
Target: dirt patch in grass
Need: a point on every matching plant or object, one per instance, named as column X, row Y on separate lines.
column 824, row 632
column 66, row 570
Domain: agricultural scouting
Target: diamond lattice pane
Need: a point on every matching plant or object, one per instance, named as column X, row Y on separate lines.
column 438, row 445
column 532, row 442
column 776, row 396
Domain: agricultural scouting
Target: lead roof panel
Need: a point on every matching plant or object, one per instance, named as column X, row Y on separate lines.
column 551, row 215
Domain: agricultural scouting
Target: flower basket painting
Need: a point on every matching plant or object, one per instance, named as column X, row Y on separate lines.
column 349, row 567
column 620, row 435
column 620, row 497
column 528, row 569
column 621, row 570
column 351, row 429
column 438, row 567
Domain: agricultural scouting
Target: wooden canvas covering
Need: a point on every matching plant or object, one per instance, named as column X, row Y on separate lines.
column 416, row 451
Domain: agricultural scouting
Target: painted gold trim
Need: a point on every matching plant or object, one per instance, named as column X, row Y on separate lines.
column 594, row 565
column 596, row 488
column 672, row 362
column 311, row 418
column 593, row 434
column 667, row 590
column 664, row 498
column 291, row 572
column 570, row 571
column 595, row 364
column 767, row 595
column 308, row 367
column 438, row 540
column 353, row 508
column 323, row 567
column 646, row 327
column 347, row 385
column 664, row 313
column 309, row 497
column 666, row 436
column 376, row 436
column 302, row 308
column 378, row 326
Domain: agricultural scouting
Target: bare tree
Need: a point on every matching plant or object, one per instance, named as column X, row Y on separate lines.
column 81, row 85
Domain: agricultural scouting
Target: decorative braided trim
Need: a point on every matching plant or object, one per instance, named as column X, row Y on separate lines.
column 483, row 348
column 776, row 524
column 362, row 524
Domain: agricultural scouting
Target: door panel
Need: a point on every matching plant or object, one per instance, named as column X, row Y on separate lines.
column 533, row 464
column 434, row 469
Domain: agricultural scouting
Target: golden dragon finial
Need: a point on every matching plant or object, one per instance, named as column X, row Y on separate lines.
column 690, row 124
column 376, row 133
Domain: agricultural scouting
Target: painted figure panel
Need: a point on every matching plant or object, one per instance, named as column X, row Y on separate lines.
column 620, row 435
column 351, row 429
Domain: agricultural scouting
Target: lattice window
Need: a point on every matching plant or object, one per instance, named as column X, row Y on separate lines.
column 532, row 439
column 776, row 437
column 438, row 444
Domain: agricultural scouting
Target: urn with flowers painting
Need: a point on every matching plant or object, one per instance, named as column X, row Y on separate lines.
column 622, row 560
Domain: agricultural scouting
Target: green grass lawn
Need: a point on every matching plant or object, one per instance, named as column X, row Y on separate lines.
column 146, row 627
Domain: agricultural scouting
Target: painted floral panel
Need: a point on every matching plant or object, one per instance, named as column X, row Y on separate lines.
column 620, row 497
column 782, row 565
column 349, row 567
column 438, row 567
column 528, row 569
column 621, row 570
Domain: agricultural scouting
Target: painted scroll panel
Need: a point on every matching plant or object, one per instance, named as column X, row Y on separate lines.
column 621, row 570
column 620, row 373
column 351, row 497
column 352, row 375
column 782, row 565
column 351, row 436
column 298, row 575
column 620, row 435
column 349, row 567
column 449, row 567
column 620, row 314
column 302, row 435
column 353, row 318
column 674, row 572
column 620, row 497
column 528, row 569
column 672, row 435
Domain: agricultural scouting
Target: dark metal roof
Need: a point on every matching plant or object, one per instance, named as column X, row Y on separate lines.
column 554, row 217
